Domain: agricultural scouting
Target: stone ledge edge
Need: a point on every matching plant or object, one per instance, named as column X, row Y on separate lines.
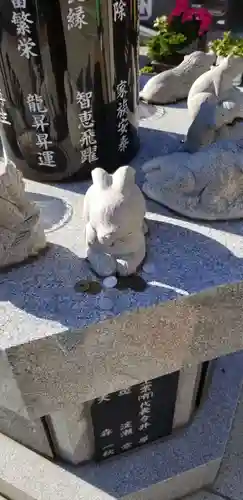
column 168, row 469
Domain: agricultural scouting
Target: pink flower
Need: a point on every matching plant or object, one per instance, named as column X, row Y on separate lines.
column 202, row 14
column 181, row 6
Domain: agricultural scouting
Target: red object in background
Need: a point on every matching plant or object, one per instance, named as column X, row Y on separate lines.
column 202, row 14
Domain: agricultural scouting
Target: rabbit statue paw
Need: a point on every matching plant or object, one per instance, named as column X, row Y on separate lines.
column 114, row 210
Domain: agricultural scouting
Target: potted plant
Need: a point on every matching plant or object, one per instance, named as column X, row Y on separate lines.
column 176, row 33
column 228, row 45
column 164, row 46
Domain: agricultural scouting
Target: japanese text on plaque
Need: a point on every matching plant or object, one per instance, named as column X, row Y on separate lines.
column 76, row 14
column 122, row 115
column 46, row 157
column 87, row 140
column 119, row 10
column 3, row 113
column 23, row 22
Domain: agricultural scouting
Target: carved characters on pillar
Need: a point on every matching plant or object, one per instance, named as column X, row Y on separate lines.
column 88, row 140
column 39, row 61
column 3, row 113
column 119, row 10
column 134, row 416
column 76, row 17
column 45, row 155
column 125, row 68
column 23, row 22
column 145, row 398
column 122, row 115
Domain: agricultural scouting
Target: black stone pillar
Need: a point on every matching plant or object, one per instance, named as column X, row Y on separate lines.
column 235, row 15
column 68, row 85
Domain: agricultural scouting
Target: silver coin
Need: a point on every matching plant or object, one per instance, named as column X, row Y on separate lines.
column 149, row 268
column 110, row 282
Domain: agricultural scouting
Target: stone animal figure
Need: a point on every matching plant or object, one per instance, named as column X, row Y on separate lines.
column 216, row 81
column 213, row 103
column 20, row 233
column 206, row 185
column 174, row 84
column 114, row 210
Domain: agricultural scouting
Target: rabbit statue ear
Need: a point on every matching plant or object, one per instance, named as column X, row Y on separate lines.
column 124, row 178
column 101, row 178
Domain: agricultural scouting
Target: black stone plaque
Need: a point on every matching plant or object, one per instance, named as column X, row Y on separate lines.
column 68, row 85
column 132, row 417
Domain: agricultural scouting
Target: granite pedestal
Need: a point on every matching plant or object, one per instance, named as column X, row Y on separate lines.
column 168, row 469
column 61, row 349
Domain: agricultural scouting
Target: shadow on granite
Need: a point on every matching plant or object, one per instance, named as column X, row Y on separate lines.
column 233, row 227
column 229, row 482
column 154, row 143
column 54, row 212
column 184, row 262
column 229, row 228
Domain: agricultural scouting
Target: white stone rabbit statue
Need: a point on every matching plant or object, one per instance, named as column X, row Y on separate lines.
column 114, row 210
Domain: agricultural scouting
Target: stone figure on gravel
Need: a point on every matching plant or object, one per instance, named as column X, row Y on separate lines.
column 174, row 84
column 20, row 234
column 213, row 104
column 114, row 210
column 206, row 185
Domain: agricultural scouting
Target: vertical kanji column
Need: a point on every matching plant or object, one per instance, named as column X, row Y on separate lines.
column 68, row 85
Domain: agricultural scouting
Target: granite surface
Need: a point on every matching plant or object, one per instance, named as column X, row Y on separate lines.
column 200, row 443
column 164, row 470
column 203, row 495
column 72, row 434
column 39, row 299
column 229, row 482
column 63, row 348
column 30, row 433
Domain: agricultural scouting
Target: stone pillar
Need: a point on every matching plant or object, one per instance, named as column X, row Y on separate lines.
column 186, row 394
column 72, row 433
column 68, row 85
column 30, row 433
column 234, row 17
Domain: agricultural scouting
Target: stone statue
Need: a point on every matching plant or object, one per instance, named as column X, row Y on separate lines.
column 174, row 84
column 114, row 210
column 20, row 234
column 213, row 103
column 206, row 185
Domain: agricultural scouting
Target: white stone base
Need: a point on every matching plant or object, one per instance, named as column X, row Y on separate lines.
column 164, row 470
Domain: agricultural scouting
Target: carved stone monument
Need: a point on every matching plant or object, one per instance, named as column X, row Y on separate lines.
column 174, row 84
column 20, row 234
column 213, row 103
column 65, row 111
column 115, row 226
column 206, row 185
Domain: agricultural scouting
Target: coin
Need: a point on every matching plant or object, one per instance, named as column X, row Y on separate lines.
column 88, row 286
column 110, row 282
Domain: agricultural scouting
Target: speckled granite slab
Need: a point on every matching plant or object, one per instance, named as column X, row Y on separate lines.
column 59, row 347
